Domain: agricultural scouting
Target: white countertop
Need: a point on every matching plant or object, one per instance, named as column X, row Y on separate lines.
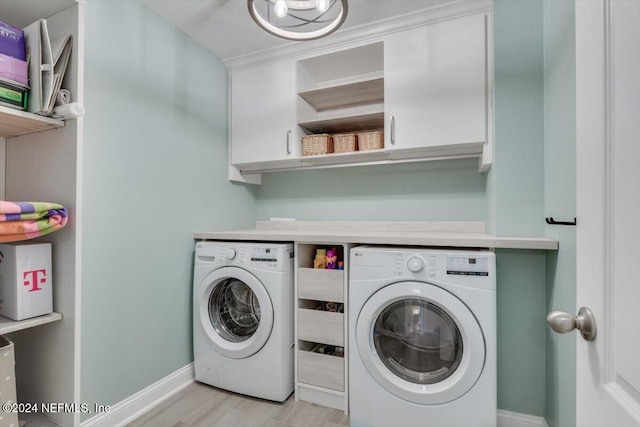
column 452, row 234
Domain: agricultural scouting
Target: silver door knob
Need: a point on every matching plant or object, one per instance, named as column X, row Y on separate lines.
column 585, row 322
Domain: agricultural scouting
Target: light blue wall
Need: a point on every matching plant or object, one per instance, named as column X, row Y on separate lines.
column 511, row 195
column 155, row 166
column 560, row 203
column 517, row 175
column 516, row 202
column 432, row 191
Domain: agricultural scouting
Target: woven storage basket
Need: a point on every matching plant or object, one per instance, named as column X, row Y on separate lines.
column 321, row 143
column 344, row 143
column 370, row 140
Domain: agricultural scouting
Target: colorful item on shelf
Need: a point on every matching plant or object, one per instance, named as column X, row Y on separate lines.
column 13, row 95
column 321, row 259
column 28, row 220
column 14, row 70
column 12, row 42
column 332, row 259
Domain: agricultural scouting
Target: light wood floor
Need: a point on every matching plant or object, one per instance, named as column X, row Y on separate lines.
column 199, row 405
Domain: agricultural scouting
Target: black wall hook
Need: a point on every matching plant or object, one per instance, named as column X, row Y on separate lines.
column 552, row 221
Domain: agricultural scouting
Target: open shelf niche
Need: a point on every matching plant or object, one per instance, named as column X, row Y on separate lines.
column 342, row 92
column 321, row 367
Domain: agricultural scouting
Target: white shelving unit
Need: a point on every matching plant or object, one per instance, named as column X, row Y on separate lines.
column 342, row 92
column 320, row 378
column 7, row 325
column 15, row 122
column 346, row 95
column 355, row 123
column 40, row 159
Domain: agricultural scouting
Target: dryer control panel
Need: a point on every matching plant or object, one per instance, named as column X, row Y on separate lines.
column 461, row 267
column 468, row 266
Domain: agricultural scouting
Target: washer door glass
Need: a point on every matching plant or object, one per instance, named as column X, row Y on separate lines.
column 418, row 341
column 234, row 310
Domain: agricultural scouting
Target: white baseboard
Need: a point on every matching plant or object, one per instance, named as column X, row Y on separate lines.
column 514, row 419
column 132, row 407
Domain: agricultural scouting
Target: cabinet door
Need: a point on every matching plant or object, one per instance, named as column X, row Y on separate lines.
column 263, row 113
column 435, row 84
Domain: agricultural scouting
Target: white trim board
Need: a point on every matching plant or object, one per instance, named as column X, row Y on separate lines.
column 134, row 406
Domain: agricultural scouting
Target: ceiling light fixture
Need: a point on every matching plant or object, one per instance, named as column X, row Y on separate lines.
column 298, row 19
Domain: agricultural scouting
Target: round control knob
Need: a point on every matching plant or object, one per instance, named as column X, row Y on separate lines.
column 415, row 264
column 230, row 254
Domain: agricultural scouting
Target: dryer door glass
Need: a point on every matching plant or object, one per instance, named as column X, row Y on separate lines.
column 234, row 310
column 418, row 341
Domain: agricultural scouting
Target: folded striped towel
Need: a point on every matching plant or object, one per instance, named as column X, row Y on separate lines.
column 28, row 220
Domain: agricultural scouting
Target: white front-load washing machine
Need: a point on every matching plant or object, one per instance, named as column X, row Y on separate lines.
column 422, row 331
column 243, row 317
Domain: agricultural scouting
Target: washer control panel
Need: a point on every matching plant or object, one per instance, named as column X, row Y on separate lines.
column 262, row 256
column 415, row 264
column 230, row 254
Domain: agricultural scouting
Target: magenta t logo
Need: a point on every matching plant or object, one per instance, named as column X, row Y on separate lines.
column 33, row 278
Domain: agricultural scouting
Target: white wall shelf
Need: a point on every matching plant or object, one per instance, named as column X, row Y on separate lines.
column 347, row 95
column 7, row 325
column 362, row 122
column 16, row 122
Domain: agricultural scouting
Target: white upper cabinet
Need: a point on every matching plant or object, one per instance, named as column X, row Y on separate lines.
column 422, row 81
column 435, row 91
column 263, row 115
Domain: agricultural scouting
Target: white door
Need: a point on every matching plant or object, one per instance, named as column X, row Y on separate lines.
column 608, row 210
column 435, row 84
column 263, row 113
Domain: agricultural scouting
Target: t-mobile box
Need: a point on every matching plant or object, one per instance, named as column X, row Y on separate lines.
column 25, row 280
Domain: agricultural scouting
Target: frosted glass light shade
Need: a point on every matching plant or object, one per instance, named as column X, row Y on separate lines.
column 302, row 20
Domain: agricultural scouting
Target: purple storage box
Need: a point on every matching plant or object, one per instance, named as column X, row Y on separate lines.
column 14, row 69
column 12, row 41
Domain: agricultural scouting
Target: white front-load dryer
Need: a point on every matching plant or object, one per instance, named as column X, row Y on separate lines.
column 422, row 331
column 243, row 317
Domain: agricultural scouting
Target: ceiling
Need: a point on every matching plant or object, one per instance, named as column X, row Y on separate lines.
column 225, row 27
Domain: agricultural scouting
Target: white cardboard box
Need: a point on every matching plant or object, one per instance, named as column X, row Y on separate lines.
column 25, row 280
